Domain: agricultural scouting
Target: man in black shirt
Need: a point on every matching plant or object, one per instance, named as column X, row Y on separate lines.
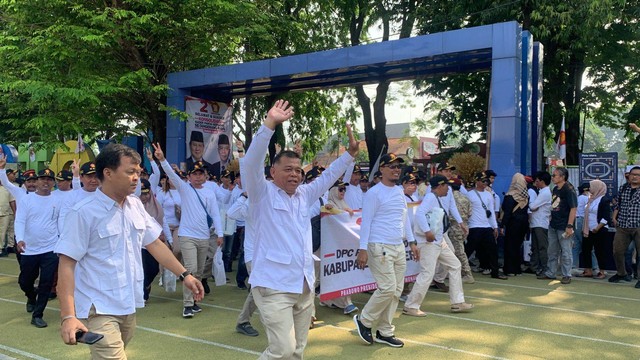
column 564, row 204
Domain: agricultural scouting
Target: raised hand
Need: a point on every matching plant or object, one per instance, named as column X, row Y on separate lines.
column 3, row 161
column 75, row 168
column 354, row 145
column 239, row 144
column 149, row 154
column 634, row 127
column 158, row 152
column 279, row 113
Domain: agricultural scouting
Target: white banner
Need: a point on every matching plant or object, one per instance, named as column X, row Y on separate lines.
column 208, row 121
column 339, row 275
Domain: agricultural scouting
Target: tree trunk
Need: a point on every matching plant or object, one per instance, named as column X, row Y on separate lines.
column 574, row 107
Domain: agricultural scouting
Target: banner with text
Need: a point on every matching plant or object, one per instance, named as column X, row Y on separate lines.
column 209, row 126
column 339, row 275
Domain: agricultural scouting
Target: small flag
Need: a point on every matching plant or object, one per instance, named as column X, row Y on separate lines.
column 32, row 151
column 377, row 163
column 80, row 146
column 561, row 145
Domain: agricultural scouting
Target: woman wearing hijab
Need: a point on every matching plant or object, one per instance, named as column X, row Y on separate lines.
column 597, row 214
column 169, row 199
column 336, row 204
column 516, row 224
column 149, row 263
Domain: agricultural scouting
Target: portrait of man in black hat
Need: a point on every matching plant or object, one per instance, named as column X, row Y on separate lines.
column 196, row 148
column 224, row 152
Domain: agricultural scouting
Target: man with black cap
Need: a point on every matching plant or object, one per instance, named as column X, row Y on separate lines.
column 384, row 227
column 200, row 214
column 483, row 227
column 196, row 147
column 89, row 180
column 63, row 180
column 283, row 265
column 496, row 199
column 224, row 152
column 431, row 225
column 35, row 242
column 353, row 195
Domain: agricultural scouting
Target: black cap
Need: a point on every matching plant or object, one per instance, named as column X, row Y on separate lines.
column 408, row 177
column 145, row 186
column 88, row 168
column 481, row 176
column 490, row 173
column 585, row 186
column 364, row 178
column 339, row 183
column 438, row 180
column 64, row 175
column 10, row 171
column 225, row 173
column 445, row 166
column 46, row 173
column 181, row 173
column 313, row 173
column 357, row 169
column 29, row 174
column 389, row 158
column 197, row 166
column 377, row 174
column 223, row 139
column 196, row 136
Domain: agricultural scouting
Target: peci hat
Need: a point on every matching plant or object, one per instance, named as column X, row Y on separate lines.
column 389, row 158
column 438, row 180
column 445, row 166
column 64, row 175
column 223, row 139
column 409, row 177
column 197, row 166
column 88, row 168
column 145, row 186
column 196, row 136
column 46, row 173
column 29, row 174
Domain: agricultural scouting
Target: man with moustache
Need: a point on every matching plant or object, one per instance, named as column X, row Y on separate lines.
column 196, row 147
column 89, row 181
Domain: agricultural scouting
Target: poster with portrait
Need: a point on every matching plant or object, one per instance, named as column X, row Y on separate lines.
column 208, row 134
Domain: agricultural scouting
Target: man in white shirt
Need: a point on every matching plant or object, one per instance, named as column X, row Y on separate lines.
column 540, row 214
column 89, row 180
column 384, row 227
column 483, row 227
column 36, row 230
column 431, row 225
column 101, row 276
column 354, row 194
column 283, row 264
column 200, row 214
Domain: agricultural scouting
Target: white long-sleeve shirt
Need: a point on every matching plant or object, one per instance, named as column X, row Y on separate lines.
column 16, row 191
column 541, row 209
column 238, row 211
column 193, row 222
column 283, row 247
column 37, row 223
column 168, row 200
column 68, row 201
column 384, row 216
column 582, row 203
column 478, row 218
column 423, row 218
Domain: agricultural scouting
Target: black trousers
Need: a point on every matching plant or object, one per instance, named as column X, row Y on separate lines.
column 595, row 241
column 151, row 269
column 242, row 274
column 481, row 241
column 514, row 235
column 32, row 267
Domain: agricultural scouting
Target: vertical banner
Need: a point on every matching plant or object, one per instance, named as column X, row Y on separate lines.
column 208, row 134
column 600, row 166
column 339, row 275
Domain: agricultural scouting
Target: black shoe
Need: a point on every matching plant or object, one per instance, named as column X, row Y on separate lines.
column 38, row 322
column 528, row 271
column 544, row 276
column 627, row 278
column 31, row 306
column 637, row 285
column 4, row 253
column 195, row 308
column 389, row 340
column 616, row 278
column 187, row 312
column 242, row 286
column 440, row 286
column 11, row 250
column 52, row 296
column 246, row 329
column 500, row 276
column 207, row 290
column 363, row 331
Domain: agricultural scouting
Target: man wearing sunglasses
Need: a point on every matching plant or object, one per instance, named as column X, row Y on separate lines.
column 384, row 227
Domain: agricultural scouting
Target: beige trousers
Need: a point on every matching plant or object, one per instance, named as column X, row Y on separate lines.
column 117, row 331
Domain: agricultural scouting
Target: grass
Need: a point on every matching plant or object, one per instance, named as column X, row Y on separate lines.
column 521, row 318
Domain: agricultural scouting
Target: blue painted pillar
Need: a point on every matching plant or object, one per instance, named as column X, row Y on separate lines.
column 505, row 127
column 176, row 150
column 537, row 143
column 525, row 100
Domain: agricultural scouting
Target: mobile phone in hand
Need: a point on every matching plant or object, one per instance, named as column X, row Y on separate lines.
column 88, row 338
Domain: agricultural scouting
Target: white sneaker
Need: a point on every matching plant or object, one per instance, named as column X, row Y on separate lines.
column 468, row 279
column 461, row 307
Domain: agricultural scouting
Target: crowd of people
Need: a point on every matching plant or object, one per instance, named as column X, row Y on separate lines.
column 97, row 236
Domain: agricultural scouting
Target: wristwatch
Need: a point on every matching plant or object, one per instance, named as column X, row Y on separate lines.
column 184, row 275
column 413, row 243
column 570, row 226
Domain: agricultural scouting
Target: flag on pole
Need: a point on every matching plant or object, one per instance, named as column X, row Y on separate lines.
column 377, row 164
column 561, row 145
column 80, row 146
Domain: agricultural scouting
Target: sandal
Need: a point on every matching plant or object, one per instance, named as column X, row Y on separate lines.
column 585, row 274
column 600, row 275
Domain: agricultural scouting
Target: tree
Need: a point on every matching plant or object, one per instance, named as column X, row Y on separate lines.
column 589, row 37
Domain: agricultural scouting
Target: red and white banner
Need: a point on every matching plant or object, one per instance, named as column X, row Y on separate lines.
column 339, row 275
column 210, row 118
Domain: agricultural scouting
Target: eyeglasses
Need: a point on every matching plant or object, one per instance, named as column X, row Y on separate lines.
column 393, row 167
column 341, row 189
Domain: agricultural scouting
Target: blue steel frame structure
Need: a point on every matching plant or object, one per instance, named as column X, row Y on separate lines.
column 514, row 59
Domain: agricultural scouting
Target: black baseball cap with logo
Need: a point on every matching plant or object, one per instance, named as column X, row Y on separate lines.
column 197, row 166
column 88, row 168
column 387, row 159
column 46, row 173
column 64, row 175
